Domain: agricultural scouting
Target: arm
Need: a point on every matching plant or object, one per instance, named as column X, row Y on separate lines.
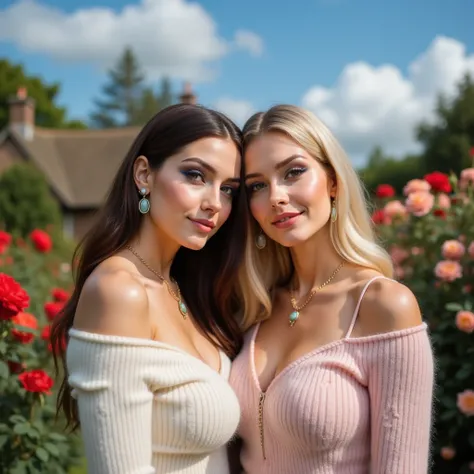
column 115, row 404
column 401, row 374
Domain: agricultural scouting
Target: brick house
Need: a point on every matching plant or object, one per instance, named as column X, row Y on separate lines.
column 79, row 165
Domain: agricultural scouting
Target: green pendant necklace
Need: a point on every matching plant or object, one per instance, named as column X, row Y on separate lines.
column 295, row 314
column 183, row 309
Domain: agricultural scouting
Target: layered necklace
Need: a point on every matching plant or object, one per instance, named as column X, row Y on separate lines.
column 293, row 317
column 183, row 309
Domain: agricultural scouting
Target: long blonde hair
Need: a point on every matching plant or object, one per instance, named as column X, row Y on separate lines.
column 351, row 235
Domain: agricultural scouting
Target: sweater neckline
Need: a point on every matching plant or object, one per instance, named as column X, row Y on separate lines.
column 319, row 349
column 142, row 342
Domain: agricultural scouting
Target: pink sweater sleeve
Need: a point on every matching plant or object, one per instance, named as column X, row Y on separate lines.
column 401, row 377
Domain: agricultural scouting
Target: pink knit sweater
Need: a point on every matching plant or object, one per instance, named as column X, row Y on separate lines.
column 354, row 406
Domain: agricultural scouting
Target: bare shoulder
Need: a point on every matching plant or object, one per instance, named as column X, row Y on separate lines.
column 113, row 301
column 388, row 306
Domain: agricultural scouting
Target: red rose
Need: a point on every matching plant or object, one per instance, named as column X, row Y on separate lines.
column 13, row 298
column 27, row 320
column 41, row 240
column 5, row 241
column 471, row 152
column 37, row 381
column 60, row 295
column 439, row 182
column 52, row 308
column 379, row 217
column 441, row 213
column 385, row 191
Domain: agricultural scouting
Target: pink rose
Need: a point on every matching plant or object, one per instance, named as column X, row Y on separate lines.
column 444, row 201
column 419, row 203
column 465, row 321
column 470, row 250
column 398, row 255
column 448, row 270
column 416, row 185
column 395, row 209
column 465, row 402
column 467, row 178
column 447, row 453
column 453, row 250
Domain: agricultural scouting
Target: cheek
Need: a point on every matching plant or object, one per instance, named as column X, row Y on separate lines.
column 259, row 207
column 225, row 211
column 175, row 194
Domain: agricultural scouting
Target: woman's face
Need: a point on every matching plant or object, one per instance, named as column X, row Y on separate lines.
column 289, row 191
column 191, row 194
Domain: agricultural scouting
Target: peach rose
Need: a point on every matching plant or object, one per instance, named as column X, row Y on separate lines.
column 470, row 250
column 465, row 321
column 466, row 178
column 453, row 250
column 444, row 201
column 448, row 270
column 466, row 402
column 399, row 272
column 416, row 185
column 398, row 254
column 417, row 251
column 395, row 209
column 419, row 203
column 447, row 453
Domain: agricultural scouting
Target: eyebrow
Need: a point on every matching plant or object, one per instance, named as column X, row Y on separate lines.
column 209, row 167
column 277, row 166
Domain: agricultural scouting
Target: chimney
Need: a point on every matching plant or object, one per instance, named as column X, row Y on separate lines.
column 22, row 114
column 187, row 97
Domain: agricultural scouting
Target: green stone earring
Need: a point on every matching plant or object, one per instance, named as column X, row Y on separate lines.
column 144, row 204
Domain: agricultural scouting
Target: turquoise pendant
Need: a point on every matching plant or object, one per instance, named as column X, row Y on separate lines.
column 144, row 205
column 294, row 317
column 183, row 309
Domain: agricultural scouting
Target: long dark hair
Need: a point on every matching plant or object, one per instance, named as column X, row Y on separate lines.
column 205, row 277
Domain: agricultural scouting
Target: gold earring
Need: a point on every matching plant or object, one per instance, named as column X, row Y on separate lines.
column 333, row 211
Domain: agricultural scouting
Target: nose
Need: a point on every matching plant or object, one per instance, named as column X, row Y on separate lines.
column 278, row 197
column 212, row 200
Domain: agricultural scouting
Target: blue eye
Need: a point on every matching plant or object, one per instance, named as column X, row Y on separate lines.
column 295, row 172
column 194, row 175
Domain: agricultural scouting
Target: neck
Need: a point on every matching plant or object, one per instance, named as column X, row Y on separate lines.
column 315, row 261
column 155, row 248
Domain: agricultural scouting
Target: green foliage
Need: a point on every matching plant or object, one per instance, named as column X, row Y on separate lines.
column 26, row 202
column 127, row 100
column 32, row 441
column 384, row 169
column 447, row 142
column 416, row 245
column 48, row 113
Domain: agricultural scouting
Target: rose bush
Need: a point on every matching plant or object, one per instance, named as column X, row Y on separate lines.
column 430, row 236
column 34, row 284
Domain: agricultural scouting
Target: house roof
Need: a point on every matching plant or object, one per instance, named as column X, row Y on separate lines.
column 78, row 164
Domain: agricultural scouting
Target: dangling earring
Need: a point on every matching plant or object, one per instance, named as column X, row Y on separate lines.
column 333, row 211
column 261, row 241
column 144, row 204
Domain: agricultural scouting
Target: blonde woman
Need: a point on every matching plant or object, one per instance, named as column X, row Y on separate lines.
column 337, row 374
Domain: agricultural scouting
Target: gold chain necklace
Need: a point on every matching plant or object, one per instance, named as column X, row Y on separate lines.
column 293, row 317
column 183, row 309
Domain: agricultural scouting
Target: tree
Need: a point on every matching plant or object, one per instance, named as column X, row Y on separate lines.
column 447, row 142
column 165, row 97
column 26, row 202
column 123, row 93
column 383, row 169
column 47, row 112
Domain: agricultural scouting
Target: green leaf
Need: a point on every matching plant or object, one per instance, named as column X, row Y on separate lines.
column 454, row 307
column 57, row 437
column 3, row 347
column 33, row 433
column 21, row 428
column 3, row 440
column 52, row 449
column 464, row 372
column 4, row 370
column 17, row 419
column 42, row 454
column 20, row 468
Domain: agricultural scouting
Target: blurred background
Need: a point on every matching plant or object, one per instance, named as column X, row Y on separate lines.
column 78, row 78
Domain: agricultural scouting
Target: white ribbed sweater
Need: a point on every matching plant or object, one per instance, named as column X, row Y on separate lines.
column 146, row 407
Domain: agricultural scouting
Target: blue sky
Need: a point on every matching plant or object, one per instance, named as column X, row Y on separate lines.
column 304, row 52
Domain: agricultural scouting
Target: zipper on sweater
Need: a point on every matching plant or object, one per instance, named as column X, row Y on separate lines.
column 261, row 404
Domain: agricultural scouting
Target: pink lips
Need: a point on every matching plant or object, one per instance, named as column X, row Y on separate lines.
column 286, row 220
column 203, row 225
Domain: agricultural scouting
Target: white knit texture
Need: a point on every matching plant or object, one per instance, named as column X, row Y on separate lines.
column 146, row 407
